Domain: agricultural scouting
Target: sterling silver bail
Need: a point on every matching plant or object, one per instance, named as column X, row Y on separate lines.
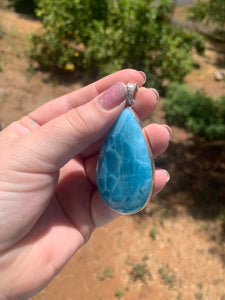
column 131, row 91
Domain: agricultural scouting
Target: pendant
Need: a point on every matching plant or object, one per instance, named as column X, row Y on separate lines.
column 125, row 169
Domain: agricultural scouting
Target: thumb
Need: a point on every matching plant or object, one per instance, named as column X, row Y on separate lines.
column 59, row 140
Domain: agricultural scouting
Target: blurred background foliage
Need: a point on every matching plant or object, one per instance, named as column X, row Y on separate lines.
column 98, row 37
column 211, row 10
column 104, row 36
column 195, row 112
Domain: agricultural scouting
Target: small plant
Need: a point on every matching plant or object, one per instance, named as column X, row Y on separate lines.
column 202, row 226
column 13, row 32
column 200, row 285
column 54, row 82
column 179, row 296
column 217, row 281
column 140, row 270
column 30, row 70
column 145, row 257
column 199, row 295
column 2, row 33
column 167, row 275
column 162, row 218
column 213, row 237
column 106, row 273
column 119, row 293
column 153, row 232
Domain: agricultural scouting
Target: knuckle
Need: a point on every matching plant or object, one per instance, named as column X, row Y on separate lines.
column 78, row 122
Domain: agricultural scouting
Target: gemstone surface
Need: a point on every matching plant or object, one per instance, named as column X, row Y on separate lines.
column 124, row 171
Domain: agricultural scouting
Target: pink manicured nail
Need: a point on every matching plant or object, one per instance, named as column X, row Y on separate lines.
column 157, row 94
column 143, row 75
column 113, row 96
column 169, row 129
column 168, row 176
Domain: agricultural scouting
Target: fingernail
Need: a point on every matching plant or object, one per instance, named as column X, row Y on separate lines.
column 169, row 129
column 143, row 75
column 112, row 97
column 168, row 176
column 157, row 94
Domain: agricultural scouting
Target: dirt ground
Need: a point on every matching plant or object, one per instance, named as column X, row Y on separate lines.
column 175, row 248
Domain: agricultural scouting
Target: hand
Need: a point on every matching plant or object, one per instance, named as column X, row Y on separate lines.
column 49, row 205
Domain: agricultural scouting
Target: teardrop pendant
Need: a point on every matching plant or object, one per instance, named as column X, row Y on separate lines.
column 125, row 170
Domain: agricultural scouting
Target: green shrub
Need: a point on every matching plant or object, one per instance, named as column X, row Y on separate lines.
column 211, row 10
column 105, row 35
column 197, row 113
column 221, row 108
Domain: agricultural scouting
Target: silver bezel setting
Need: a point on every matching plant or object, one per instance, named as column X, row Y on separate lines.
column 131, row 91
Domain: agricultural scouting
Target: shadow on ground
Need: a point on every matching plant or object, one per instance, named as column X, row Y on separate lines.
column 197, row 169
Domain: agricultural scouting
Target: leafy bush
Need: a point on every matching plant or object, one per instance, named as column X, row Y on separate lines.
column 197, row 113
column 211, row 10
column 24, row 6
column 107, row 35
column 221, row 108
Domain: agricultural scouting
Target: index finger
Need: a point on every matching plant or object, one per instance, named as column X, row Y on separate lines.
column 61, row 105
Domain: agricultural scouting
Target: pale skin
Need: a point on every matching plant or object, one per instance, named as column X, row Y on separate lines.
column 49, row 203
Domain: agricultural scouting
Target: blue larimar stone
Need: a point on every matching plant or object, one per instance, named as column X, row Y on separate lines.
column 125, row 171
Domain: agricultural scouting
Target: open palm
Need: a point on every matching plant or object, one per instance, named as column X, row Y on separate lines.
column 49, row 204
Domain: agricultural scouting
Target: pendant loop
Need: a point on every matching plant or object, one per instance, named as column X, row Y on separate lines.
column 131, row 91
